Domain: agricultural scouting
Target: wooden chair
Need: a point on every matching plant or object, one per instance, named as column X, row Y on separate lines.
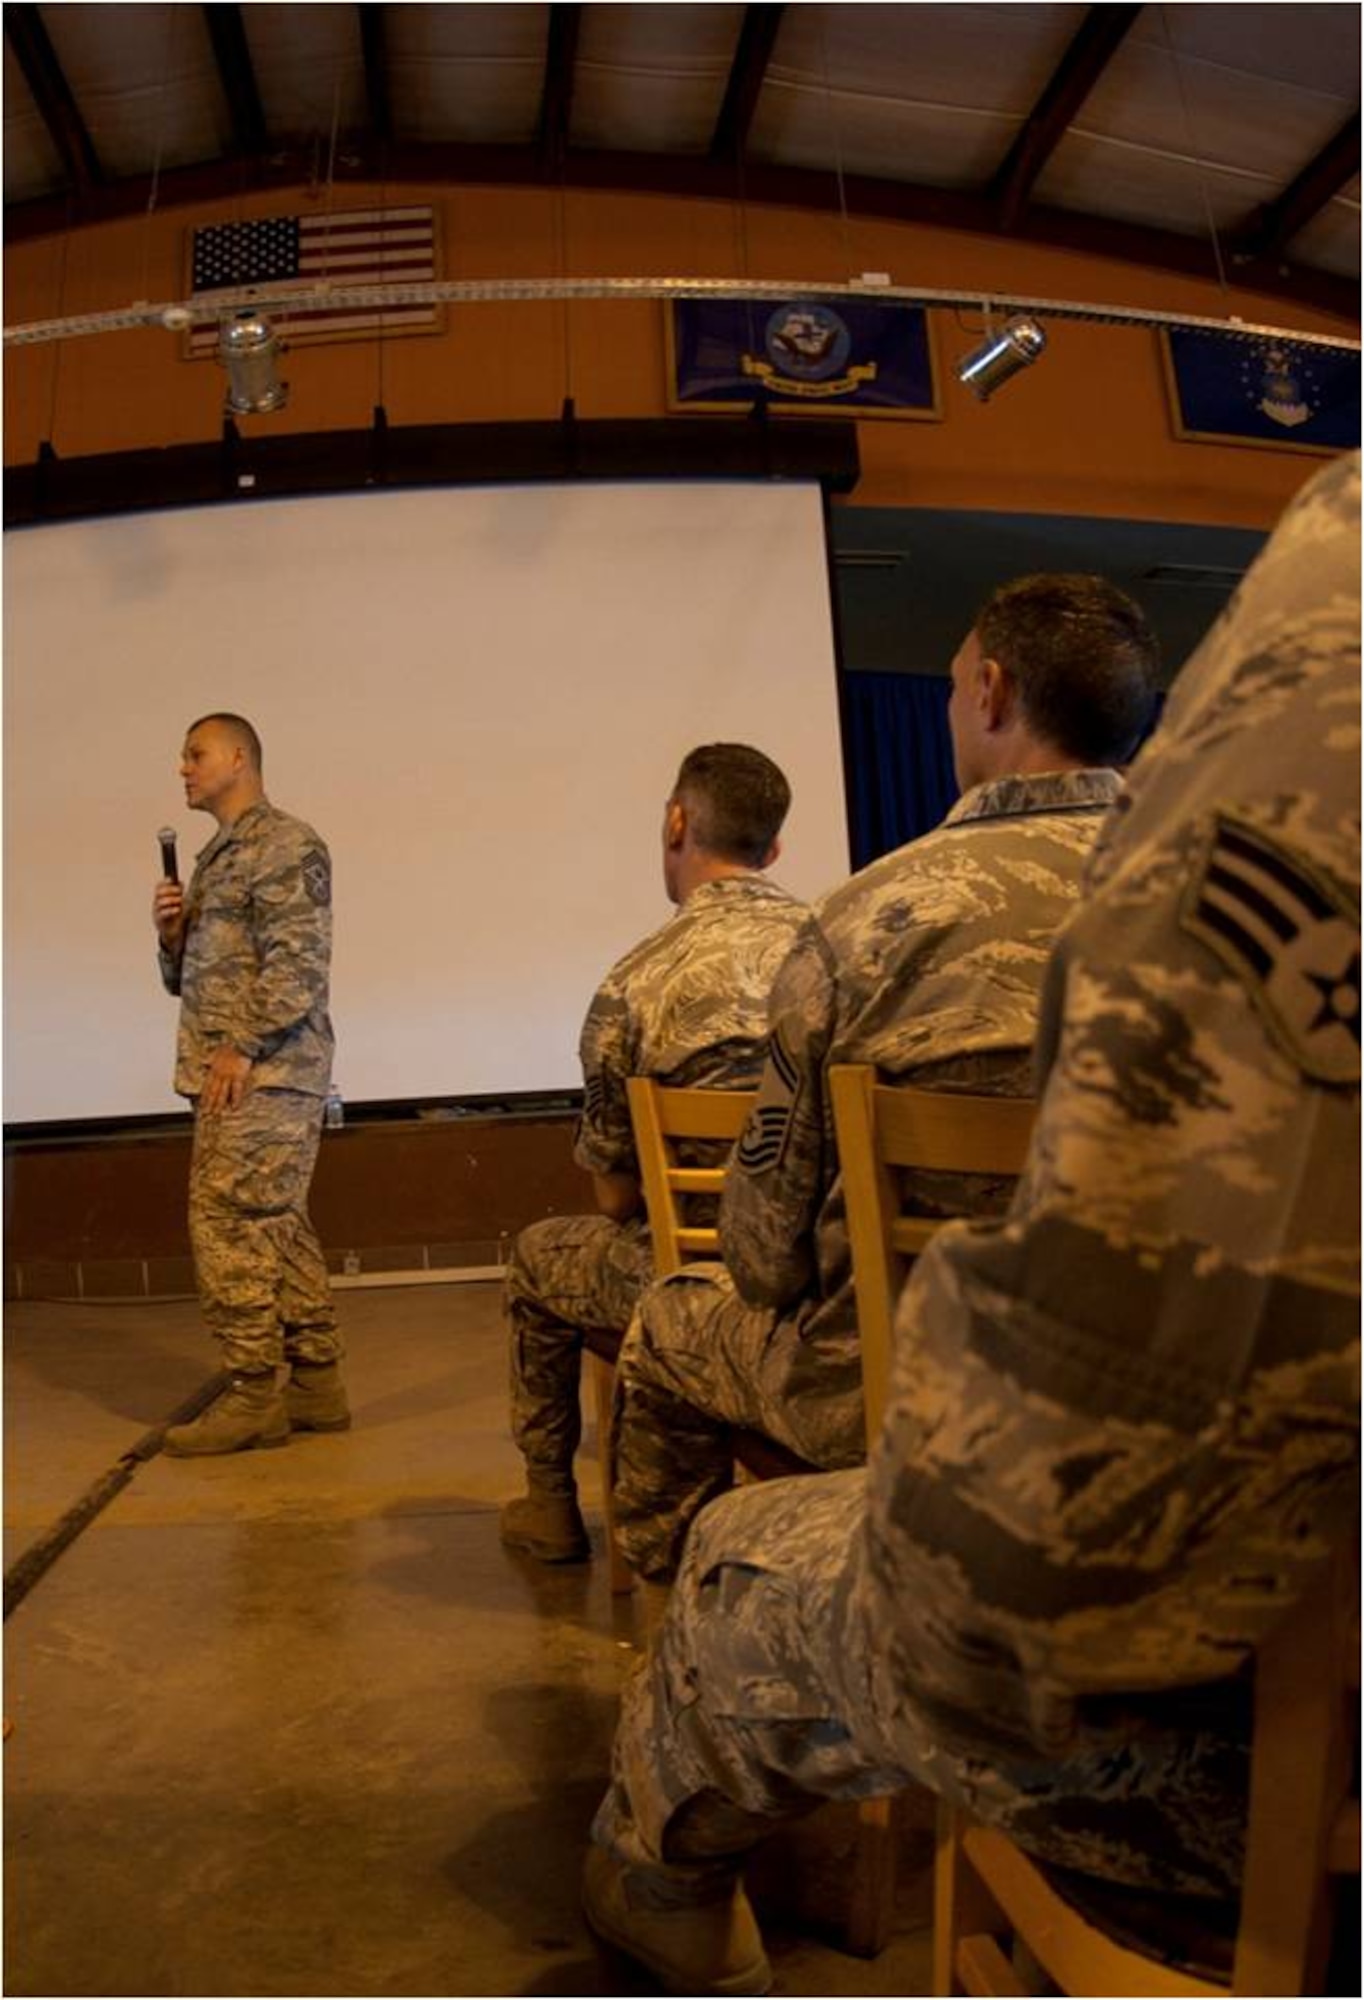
column 881, row 1129
column 1302, row 1836
column 1303, row 1827
column 662, row 1116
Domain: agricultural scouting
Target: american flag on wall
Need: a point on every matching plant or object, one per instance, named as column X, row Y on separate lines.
column 363, row 246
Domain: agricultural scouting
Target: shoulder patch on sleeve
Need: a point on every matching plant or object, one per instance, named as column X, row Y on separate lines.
column 317, row 876
column 594, row 1099
column 1291, row 936
column 762, row 1145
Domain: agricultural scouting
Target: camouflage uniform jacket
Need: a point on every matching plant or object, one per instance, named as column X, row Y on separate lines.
column 929, row 964
column 254, row 968
column 1124, row 1422
column 688, row 1005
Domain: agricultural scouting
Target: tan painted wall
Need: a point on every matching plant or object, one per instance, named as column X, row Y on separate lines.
column 1087, row 431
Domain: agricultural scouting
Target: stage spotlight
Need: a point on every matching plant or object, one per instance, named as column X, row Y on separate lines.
column 248, row 349
column 988, row 367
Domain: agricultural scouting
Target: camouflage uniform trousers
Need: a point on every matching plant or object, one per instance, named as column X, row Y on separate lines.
column 760, row 1700
column 568, row 1275
column 261, row 1274
column 697, row 1363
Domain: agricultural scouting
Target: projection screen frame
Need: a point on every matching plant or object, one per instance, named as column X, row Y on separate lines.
column 241, row 471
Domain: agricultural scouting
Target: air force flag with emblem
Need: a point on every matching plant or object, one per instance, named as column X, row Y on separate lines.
column 1291, row 937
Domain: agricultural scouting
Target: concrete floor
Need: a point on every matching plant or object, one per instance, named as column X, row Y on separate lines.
column 294, row 1722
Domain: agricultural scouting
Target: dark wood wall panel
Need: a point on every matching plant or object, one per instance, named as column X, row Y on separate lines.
column 89, row 1216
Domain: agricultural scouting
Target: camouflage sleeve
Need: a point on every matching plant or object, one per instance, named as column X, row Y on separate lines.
column 291, row 922
column 605, row 1139
column 1124, row 1423
column 781, row 1166
column 168, row 964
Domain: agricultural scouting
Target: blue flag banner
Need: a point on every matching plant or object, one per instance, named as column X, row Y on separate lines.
column 1262, row 391
column 875, row 358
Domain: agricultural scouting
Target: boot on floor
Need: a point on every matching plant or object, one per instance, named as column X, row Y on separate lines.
column 548, row 1526
column 716, row 1948
column 315, row 1397
column 249, row 1414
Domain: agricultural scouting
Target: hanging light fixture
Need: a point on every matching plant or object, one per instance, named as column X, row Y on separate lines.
column 249, row 349
column 1001, row 356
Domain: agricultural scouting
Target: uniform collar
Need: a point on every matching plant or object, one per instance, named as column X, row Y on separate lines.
column 1092, row 790
column 726, row 885
column 225, row 835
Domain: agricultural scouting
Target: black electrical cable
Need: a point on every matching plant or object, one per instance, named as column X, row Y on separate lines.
column 38, row 1558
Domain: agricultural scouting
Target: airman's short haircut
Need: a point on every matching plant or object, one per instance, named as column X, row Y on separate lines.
column 238, row 726
column 1082, row 657
column 737, row 800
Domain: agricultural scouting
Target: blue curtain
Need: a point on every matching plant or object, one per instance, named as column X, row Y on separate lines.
column 898, row 759
column 898, row 755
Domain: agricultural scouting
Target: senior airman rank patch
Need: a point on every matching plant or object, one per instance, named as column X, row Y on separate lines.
column 317, row 875
column 763, row 1142
column 1291, row 936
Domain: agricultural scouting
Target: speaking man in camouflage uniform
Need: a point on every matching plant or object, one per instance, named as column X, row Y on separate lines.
column 248, row 950
column 689, row 1006
column 1123, row 1427
column 928, row 964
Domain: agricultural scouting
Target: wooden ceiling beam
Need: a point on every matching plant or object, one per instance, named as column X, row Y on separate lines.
column 1322, row 178
column 752, row 54
column 689, row 177
column 374, row 49
column 53, row 97
column 232, row 53
column 1101, row 33
column 556, row 104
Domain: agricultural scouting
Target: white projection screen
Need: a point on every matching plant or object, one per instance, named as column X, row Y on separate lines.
column 479, row 696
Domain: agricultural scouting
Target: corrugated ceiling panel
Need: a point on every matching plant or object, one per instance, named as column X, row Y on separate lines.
column 1304, row 46
column 652, row 79
column 308, row 66
column 475, row 74
column 1179, row 105
column 1133, row 184
column 883, row 137
column 926, row 93
column 145, row 81
column 32, row 164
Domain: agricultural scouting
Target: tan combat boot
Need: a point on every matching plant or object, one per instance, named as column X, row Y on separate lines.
column 713, row 1948
column 315, row 1397
column 249, row 1414
column 548, row 1526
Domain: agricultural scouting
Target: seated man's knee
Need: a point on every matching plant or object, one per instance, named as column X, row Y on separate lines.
column 526, row 1264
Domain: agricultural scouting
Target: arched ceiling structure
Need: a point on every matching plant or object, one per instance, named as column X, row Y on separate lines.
column 1193, row 138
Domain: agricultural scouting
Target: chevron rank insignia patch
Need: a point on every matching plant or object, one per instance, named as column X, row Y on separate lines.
column 762, row 1145
column 317, row 876
column 1291, row 936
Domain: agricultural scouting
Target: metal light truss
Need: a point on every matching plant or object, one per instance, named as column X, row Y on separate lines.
column 203, row 310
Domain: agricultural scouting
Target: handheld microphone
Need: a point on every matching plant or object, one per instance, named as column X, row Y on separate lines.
column 168, row 868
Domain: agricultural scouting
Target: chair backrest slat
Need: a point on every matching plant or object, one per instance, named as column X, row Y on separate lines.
column 660, row 1115
column 880, row 1129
